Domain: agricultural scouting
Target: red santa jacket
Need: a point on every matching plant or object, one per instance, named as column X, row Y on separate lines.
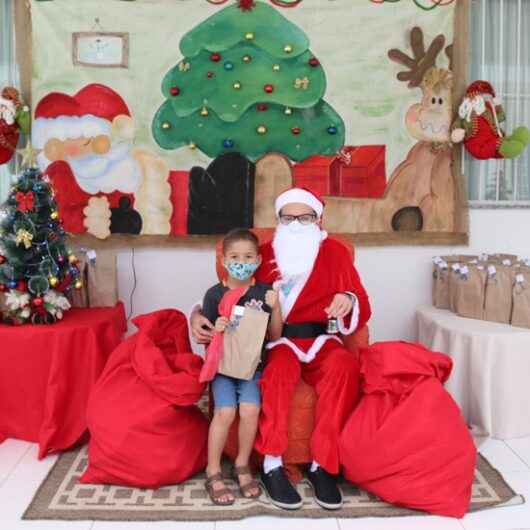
column 71, row 199
column 332, row 273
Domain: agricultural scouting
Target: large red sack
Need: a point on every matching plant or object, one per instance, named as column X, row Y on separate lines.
column 406, row 441
column 145, row 429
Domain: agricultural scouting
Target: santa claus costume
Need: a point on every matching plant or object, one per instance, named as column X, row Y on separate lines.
column 115, row 175
column 309, row 269
column 479, row 125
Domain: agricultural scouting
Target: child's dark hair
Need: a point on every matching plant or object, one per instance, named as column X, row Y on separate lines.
column 239, row 234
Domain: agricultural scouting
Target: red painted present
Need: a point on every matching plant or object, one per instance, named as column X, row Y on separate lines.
column 179, row 182
column 353, row 172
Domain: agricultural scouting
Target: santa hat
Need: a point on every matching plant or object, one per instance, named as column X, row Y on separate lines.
column 480, row 88
column 302, row 196
column 88, row 113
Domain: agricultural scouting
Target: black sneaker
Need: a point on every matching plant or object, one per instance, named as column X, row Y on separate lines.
column 327, row 493
column 280, row 491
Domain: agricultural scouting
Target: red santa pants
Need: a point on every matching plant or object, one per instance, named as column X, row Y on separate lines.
column 485, row 143
column 333, row 373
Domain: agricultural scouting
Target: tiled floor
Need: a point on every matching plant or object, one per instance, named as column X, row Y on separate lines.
column 21, row 473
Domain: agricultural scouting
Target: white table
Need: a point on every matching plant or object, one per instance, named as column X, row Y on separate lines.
column 491, row 373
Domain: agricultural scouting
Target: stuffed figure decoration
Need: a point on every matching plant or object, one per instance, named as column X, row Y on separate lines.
column 478, row 125
column 14, row 118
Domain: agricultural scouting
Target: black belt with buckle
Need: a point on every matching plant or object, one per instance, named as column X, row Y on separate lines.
column 306, row 330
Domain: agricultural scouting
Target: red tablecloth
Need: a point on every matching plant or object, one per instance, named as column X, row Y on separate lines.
column 47, row 372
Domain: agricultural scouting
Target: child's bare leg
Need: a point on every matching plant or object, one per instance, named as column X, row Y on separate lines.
column 248, row 426
column 217, row 435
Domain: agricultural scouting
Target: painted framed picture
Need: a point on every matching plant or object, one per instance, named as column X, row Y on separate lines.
column 100, row 49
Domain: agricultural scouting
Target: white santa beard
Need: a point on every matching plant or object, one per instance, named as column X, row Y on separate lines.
column 296, row 251
column 116, row 170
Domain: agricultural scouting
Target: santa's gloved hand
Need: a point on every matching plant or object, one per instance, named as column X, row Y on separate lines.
column 125, row 219
column 97, row 217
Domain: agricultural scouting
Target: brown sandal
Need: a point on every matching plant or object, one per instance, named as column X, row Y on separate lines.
column 253, row 484
column 215, row 495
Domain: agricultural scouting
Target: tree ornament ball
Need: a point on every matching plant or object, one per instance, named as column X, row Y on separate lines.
column 288, row 111
column 262, row 107
column 249, row 35
column 78, row 284
column 228, row 143
column 2, row 259
column 192, row 146
column 276, row 67
column 247, row 58
column 72, row 258
column 166, row 125
column 3, row 288
column 53, row 281
column 60, row 259
column 37, row 302
column 261, row 129
column 332, row 129
column 296, row 130
column 54, row 215
column 229, row 65
column 314, row 62
column 288, row 48
column 268, row 88
column 21, row 286
column 175, row 90
column 12, row 284
column 215, row 57
column 204, row 112
column 237, row 85
column 209, row 75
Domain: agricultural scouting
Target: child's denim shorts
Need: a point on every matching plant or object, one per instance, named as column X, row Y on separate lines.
column 229, row 391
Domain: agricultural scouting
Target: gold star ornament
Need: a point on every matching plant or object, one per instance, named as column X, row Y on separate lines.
column 29, row 155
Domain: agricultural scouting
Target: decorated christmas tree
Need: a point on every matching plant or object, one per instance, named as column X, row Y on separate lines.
column 248, row 83
column 36, row 269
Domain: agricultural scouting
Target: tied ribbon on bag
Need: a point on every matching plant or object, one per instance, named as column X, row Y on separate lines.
column 214, row 352
column 25, row 201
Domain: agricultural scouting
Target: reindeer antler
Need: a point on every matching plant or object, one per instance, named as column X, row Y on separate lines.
column 449, row 53
column 421, row 61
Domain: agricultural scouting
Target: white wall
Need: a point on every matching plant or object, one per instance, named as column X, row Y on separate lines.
column 398, row 279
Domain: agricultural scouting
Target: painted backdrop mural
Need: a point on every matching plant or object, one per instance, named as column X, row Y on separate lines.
column 201, row 116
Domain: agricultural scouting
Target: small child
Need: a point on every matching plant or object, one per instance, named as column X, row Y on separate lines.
column 241, row 259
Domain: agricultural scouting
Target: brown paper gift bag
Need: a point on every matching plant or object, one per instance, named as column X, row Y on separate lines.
column 440, row 285
column 452, row 281
column 103, row 279
column 521, row 299
column 243, row 342
column 471, row 291
column 500, row 258
column 499, row 292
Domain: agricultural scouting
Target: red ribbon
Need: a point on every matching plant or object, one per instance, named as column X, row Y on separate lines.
column 25, row 201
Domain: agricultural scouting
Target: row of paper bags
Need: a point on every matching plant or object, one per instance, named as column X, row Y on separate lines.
column 486, row 287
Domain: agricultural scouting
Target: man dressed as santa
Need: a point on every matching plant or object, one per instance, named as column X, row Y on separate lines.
column 102, row 183
column 317, row 282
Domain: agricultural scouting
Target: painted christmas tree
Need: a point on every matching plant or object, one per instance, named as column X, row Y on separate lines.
column 36, row 269
column 248, row 83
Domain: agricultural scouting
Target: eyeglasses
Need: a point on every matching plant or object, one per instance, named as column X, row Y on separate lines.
column 305, row 219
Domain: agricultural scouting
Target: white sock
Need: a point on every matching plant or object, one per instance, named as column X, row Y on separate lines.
column 272, row 462
column 314, row 466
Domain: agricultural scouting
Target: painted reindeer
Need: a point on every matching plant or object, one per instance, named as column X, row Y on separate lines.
column 421, row 192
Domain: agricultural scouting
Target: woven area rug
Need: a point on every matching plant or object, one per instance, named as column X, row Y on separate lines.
column 62, row 497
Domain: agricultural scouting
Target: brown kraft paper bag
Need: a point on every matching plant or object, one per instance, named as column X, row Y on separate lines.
column 471, row 291
column 453, row 274
column 521, row 299
column 440, row 286
column 499, row 292
column 243, row 342
column 103, row 279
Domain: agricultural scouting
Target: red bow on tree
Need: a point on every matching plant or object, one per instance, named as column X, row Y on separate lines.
column 25, row 201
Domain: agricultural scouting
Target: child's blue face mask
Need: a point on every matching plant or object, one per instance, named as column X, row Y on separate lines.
column 241, row 271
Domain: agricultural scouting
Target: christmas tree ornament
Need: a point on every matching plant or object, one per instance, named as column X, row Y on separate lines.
column 54, row 215
column 247, row 58
column 215, row 57
column 228, row 143
column 12, row 284
column 478, row 125
column 204, row 112
column 53, row 281
column 78, row 284
column 3, row 288
column 175, row 90
column 276, row 67
column 23, row 237
column 21, row 286
column 288, row 111
column 25, row 201
column 301, row 83
column 288, row 48
column 192, row 146
column 268, row 88
column 249, row 36
column 237, row 85
column 261, row 129
column 229, row 65
column 60, row 259
column 262, row 107
column 2, row 259
column 72, row 258
column 246, row 5
column 166, row 125
column 184, row 66
column 38, row 301
column 209, row 74
column 29, row 155
column 332, row 129
column 314, row 62
column 296, row 130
